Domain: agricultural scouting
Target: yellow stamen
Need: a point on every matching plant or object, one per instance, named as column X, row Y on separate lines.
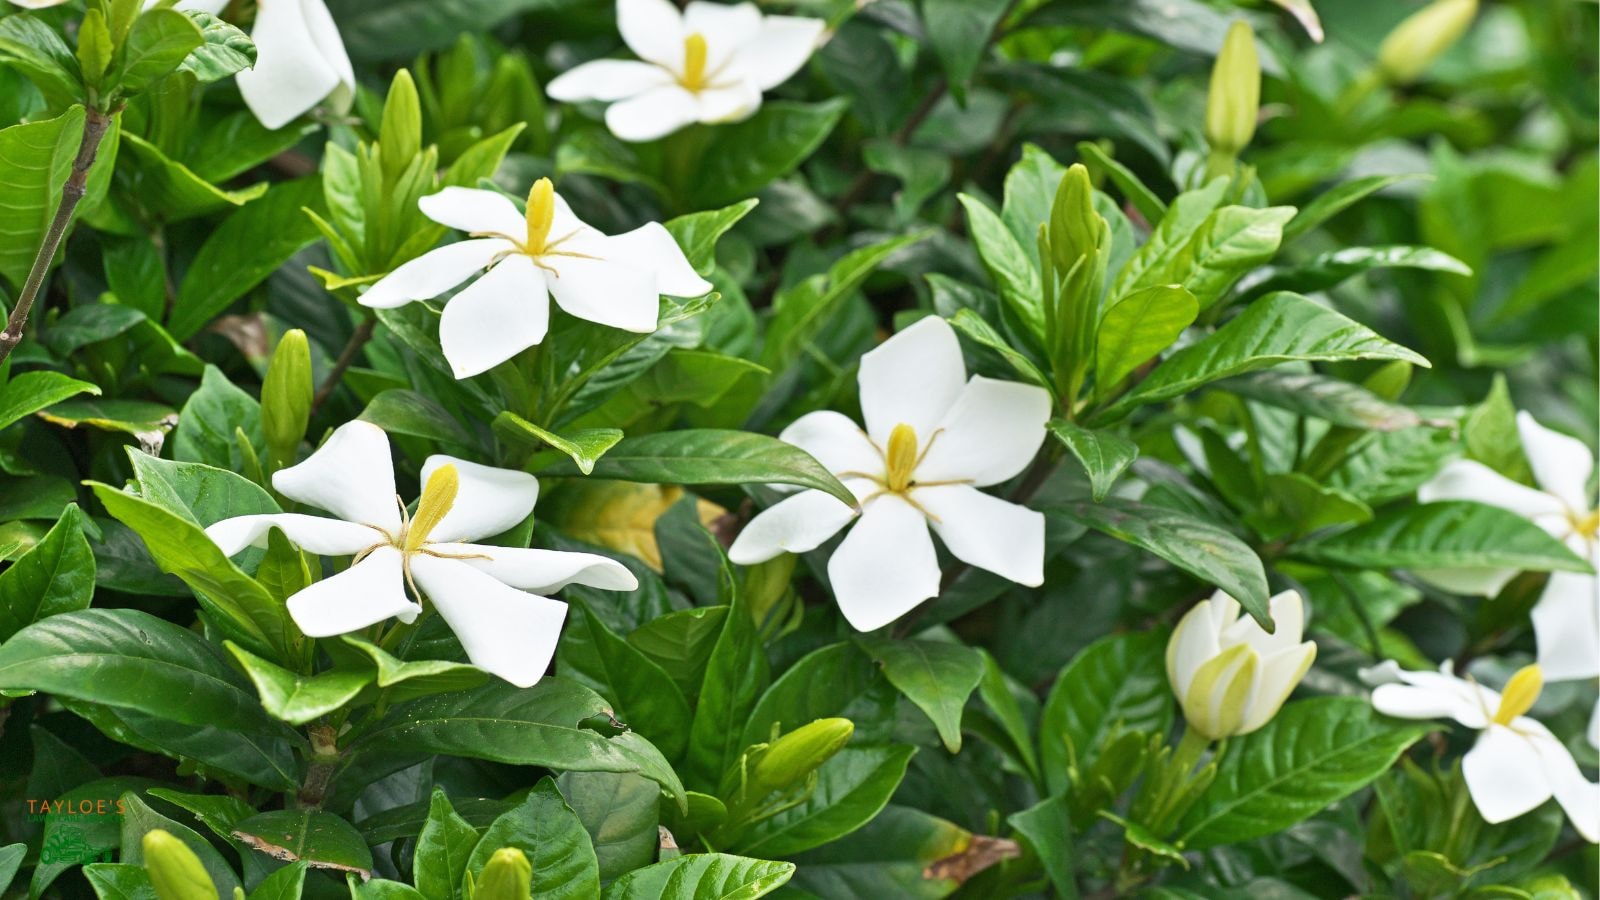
column 1588, row 526
column 1520, row 693
column 541, row 212
column 901, row 457
column 694, row 61
column 438, row 495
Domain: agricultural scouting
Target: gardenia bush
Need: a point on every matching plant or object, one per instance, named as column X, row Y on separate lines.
column 489, row 449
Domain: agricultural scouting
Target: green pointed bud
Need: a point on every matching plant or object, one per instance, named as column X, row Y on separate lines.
column 400, row 136
column 1076, row 230
column 286, row 395
column 1426, row 34
column 175, row 871
column 508, row 876
column 788, row 760
column 1079, row 243
column 1234, row 102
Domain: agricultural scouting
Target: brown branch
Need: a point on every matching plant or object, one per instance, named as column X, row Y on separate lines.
column 95, row 125
column 347, row 357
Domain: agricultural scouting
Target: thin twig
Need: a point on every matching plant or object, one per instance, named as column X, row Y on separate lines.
column 347, row 357
column 857, row 189
column 95, row 124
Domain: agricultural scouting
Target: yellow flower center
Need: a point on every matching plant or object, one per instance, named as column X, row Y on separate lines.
column 438, row 495
column 1520, row 693
column 1588, row 526
column 541, row 212
column 694, row 62
column 901, row 457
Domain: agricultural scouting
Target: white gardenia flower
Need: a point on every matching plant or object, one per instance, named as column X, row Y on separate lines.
column 707, row 64
column 1229, row 675
column 932, row 439
column 1517, row 764
column 616, row 281
column 1566, row 620
column 300, row 59
column 494, row 598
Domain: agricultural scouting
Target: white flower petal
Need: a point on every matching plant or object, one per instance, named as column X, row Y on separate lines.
column 1561, row 464
column 351, row 475
column 544, row 571
column 496, row 317
column 607, row 80
column 313, row 534
column 489, row 500
column 46, row 4
column 725, row 27
column 653, row 29
column 652, row 248
column 435, row 272
column 836, row 442
column 607, row 292
column 1406, row 701
column 731, row 103
column 796, row 524
column 1193, row 642
column 885, row 565
column 779, row 49
column 370, row 591
column 990, row 435
column 300, row 60
column 1504, row 775
column 475, row 210
column 1288, row 616
column 1276, row 677
column 984, row 531
column 1467, row 582
column 1465, row 479
column 1566, row 624
column 653, row 114
column 506, row 632
column 912, row 378
column 1579, row 797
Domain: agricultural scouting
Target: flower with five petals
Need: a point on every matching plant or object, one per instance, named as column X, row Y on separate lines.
column 547, row 252
column 493, row 598
column 932, row 439
column 707, row 64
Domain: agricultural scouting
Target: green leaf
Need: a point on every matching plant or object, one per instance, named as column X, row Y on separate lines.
column 838, row 680
column 697, row 233
column 147, row 421
column 641, row 693
column 1104, row 455
column 1143, row 199
column 736, row 673
column 443, row 848
column 1047, row 828
column 1312, row 754
column 1117, row 681
column 680, row 642
column 973, row 326
column 1454, row 534
column 1232, row 240
column 1332, row 202
column 584, row 447
column 81, row 837
column 958, row 31
column 37, row 158
column 132, row 660
column 537, row 726
column 1277, row 328
column 55, row 576
column 320, row 839
column 1137, row 327
column 30, row 392
column 211, row 419
column 1008, row 262
column 224, row 50
column 545, row 828
column 710, row 456
column 407, row 680
column 285, row 884
column 218, row 812
column 138, row 820
column 298, row 699
column 119, row 881
column 404, row 411
column 172, row 187
column 1329, row 269
column 160, row 41
column 35, row 50
column 1189, row 210
column 202, row 494
column 936, row 676
column 702, row 876
column 250, row 244
column 891, row 856
column 10, row 861
column 622, row 814
column 744, row 157
column 1205, row 550
column 851, row 788
column 801, row 312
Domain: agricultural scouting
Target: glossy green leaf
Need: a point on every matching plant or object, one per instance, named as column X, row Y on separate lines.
column 1137, row 327
column 298, row 699
column 851, row 788
column 1104, row 455
column 936, row 676
column 745, row 157
column 320, row 839
column 36, row 157
column 1455, row 534
column 584, row 447
column 641, row 693
column 224, row 50
column 30, row 392
column 1119, row 681
column 702, row 876
column 409, row 679
column 55, row 576
column 546, row 829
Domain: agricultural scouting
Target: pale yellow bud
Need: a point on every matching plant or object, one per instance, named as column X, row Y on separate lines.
column 1234, row 102
column 1415, row 43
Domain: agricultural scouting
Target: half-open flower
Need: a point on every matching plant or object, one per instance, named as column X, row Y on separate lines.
column 1231, row 676
column 493, row 598
column 1566, row 620
column 932, row 439
column 707, row 64
column 1516, row 764
column 300, row 59
column 547, row 252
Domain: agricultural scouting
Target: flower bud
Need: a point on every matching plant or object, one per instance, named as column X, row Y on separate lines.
column 507, row 876
column 175, row 871
column 1230, row 676
column 286, row 396
column 799, row 753
column 1234, row 102
column 1415, row 43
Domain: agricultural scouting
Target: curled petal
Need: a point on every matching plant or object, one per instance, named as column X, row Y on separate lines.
column 1277, row 677
column 912, row 378
column 796, row 524
column 368, row 592
column 1579, row 797
column 734, row 103
column 544, row 571
column 1465, row 479
column 496, row 317
column 313, row 534
column 351, row 475
column 836, row 442
column 984, row 531
column 300, row 59
column 474, row 210
column 653, row 114
column 1561, row 464
column 435, row 272
column 725, row 27
column 607, row 292
column 652, row 247
column 654, row 30
column 1505, row 775
column 1566, row 626
column 885, row 565
column 989, row 435
column 608, row 80
column 779, row 49
column 505, row 632
column 489, row 500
